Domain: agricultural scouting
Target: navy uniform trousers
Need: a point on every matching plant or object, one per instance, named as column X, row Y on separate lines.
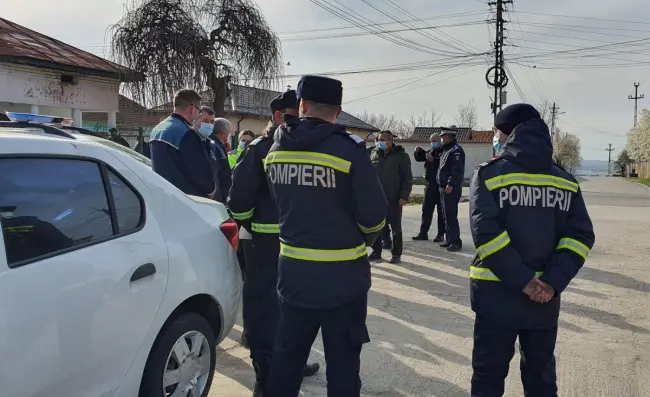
column 432, row 202
column 494, row 347
column 344, row 332
column 261, row 305
column 450, row 213
column 394, row 220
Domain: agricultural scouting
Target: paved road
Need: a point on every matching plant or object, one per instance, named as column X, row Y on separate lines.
column 421, row 324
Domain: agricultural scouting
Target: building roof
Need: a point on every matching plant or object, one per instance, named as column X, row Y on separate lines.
column 464, row 135
column 253, row 101
column 25, row 46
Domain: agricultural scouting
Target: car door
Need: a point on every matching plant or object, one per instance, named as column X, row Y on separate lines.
column 85, row 273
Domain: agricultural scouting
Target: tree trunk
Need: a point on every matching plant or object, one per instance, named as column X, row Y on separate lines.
column 220, row 90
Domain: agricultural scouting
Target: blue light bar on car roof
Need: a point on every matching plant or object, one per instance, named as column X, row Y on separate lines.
column 37, row 118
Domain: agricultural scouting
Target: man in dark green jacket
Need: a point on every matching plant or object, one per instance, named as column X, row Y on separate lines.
column 393, row 166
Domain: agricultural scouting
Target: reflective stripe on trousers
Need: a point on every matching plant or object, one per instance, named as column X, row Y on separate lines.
column 481, row 273
column 322, row 255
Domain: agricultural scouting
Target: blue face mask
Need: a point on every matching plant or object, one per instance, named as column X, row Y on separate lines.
column 435, row 145
column 243, row 144
column 382, row 145
column 205, row 129
column 495, row 142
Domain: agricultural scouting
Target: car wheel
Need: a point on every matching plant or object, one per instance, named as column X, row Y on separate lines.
column 182, row 360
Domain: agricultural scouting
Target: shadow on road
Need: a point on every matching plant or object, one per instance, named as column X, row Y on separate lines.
column 611, row 278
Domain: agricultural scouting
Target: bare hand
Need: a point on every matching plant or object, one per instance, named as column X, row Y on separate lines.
column 449, row 189
column 429, row 157
column 402, row 202
column 538, row 291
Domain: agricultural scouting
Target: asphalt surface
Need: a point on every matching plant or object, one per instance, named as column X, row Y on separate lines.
column 421, row 324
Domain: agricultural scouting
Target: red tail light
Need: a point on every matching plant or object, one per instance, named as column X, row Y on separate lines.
column 231, row 231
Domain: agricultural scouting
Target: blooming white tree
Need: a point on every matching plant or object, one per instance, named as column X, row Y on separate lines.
column 566, row 150
column 638, row 139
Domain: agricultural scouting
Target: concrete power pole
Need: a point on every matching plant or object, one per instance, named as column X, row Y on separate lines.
column 554, row 114
column 636, row 98
column 609, row 160
column 500, row 78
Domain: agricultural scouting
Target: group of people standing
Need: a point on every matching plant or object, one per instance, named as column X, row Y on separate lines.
column 312, row 199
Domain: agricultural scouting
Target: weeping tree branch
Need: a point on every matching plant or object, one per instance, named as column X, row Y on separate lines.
column 197, row 44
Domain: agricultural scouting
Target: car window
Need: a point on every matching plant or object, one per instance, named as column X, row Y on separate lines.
column 49, row 205
column 127, row 204
column 129, row 152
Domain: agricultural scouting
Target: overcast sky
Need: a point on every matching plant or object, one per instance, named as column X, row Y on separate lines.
column 591, row 85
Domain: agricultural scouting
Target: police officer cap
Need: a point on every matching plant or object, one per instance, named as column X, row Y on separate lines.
column 320, row 89
column 448, row 131
column 513, row 115
column 286, row 100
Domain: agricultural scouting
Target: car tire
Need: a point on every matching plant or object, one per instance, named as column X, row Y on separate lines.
column 178, row 358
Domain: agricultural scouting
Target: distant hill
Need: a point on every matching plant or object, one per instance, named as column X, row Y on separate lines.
column 595, row 165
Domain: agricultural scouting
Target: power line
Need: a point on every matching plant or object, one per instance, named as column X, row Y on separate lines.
column 581, row 17
column 636, row 98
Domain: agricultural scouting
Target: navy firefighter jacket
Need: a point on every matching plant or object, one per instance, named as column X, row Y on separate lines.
column 178, row 154
column 250, row 200
column 451, row 170
column 330, row 205
column 527, row 218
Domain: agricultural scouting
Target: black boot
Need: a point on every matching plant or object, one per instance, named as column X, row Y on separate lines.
column 445, row 245
column 421, row 237
column 244, row 339
column 310, row 369
column 455, row 247
column 374, row 256
column 439, row 238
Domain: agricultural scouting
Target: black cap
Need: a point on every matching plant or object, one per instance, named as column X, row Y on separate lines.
column 448, row 131
column 320, row 89
column 286, row 100
column 513, row 115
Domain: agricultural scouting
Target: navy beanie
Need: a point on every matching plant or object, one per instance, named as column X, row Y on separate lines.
column 321, row 90
column 513, row 115
column 286, row 100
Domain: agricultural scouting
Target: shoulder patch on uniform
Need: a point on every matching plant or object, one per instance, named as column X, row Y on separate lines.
column 257, row 140
column 357, row 139
column 490, row 161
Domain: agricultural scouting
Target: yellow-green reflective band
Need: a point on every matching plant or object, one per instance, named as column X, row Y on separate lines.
column 574, row 245
column 368, row 230
column 316, row 255
column 532, row 180
column 481, row 273
column 493, row 246
column 269, row 228
column 314, row 158
column 242, row 216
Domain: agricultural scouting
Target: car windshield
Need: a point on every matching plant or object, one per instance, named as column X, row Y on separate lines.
column 129, row 152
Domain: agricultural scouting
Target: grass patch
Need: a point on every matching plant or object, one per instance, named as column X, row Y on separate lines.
column 416, row 199
column 645, row 181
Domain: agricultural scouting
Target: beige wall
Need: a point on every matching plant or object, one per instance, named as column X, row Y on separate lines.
column 475, row 154
column 257, row 125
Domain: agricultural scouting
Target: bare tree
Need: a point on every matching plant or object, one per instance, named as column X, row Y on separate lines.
column 196, row 44
column 544, row 109
column 467, row 116
column 401, row 127
column 566, row 150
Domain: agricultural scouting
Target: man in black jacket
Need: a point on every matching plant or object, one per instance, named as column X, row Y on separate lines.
column 393, row 167
column 450, row 181
column 532, row 235
column 431, row 159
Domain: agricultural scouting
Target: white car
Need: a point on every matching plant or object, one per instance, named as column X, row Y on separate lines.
column 112, row 281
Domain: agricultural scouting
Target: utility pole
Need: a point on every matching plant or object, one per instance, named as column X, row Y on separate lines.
column 500, row 78
column 609, row 160
column 636, row 98
column 554, row 114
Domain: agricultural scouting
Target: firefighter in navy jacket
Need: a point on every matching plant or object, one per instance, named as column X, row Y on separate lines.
column 451, row 173
column 330, row 205
column 251, row 204
column 532, row 234
column 178, row 153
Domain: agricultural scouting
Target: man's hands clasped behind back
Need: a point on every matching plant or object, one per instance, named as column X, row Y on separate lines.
column 539, row 291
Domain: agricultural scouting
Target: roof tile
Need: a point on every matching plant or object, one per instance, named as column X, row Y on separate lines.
column 464, row 135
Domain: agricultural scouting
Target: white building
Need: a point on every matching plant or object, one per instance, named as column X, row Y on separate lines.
column 39, row 74
column 476, row 144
